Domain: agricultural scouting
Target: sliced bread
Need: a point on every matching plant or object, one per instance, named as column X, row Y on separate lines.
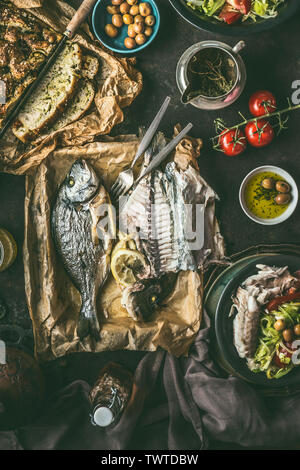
column 52, row 95
column 79, row 104
column 90, row 67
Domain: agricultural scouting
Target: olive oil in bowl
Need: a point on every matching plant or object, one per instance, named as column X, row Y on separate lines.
column 261, row 201
column 268, row 195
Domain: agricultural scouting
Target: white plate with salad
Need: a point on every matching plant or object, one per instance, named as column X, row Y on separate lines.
column 235, row 17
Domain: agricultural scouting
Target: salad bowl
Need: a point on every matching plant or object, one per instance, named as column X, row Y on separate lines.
column 286, row 10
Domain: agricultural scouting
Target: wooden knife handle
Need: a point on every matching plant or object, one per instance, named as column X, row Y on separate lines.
column 79, row 17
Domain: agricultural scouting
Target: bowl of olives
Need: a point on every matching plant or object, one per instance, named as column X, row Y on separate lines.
column 268, row 195
column 126, row 26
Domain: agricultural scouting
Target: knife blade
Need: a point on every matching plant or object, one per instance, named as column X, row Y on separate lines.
column 75, row 22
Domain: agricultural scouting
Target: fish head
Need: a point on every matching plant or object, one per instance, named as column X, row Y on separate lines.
column 81, row 183
column 142, row 299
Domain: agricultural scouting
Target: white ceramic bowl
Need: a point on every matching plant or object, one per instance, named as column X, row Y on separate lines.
column 294, row 193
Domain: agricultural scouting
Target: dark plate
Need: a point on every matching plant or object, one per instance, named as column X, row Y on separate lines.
column 224, row 326
column 214, row 26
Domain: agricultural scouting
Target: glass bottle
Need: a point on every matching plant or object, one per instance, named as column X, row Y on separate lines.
column 110, row 395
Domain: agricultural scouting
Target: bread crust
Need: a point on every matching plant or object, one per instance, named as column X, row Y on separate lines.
column 71, row 115
column 20, row 128
column 25, row 43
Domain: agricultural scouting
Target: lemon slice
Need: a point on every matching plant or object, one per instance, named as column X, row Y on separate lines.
column 126, row 265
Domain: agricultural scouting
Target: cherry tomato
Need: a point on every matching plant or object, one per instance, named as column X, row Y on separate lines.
column 259, row 133
column 261, row 103
column 233, row 142
column 228, row 15
column 243, row 5
column 286, row 353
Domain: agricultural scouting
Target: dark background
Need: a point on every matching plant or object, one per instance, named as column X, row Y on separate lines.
column 272, row 60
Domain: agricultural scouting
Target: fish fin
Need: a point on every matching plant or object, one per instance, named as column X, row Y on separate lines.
column 88, row 323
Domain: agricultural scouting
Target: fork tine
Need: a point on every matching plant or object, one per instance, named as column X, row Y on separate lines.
column 120, row 191
column 116, row 187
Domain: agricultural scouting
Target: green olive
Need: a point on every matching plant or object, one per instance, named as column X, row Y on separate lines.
column 283, row 187
column 129, row 43
column 139, row 28
column 112, row 9
column 145, row 9
column 132, row 2
column 139, row 19
column 282, row 199
column 288, row 335
column 128, row 19
column 150, row 20
column 140, row 39
column 131, row 32
column 297, row 329
column 268, row 183
column 117, row 2
column 124, row 8
column 134, row 10
column 111, row 30
column 117, row 21
column 148, row 31
column 279, row 325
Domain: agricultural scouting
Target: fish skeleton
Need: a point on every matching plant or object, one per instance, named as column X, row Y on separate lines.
column 155, row 215
column 85, row 256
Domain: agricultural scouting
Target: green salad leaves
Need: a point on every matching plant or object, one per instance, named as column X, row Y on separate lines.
column 259, row 8
column 271, row 342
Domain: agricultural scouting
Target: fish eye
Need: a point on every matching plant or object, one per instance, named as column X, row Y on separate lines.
column 71, row 182
column 153, row 299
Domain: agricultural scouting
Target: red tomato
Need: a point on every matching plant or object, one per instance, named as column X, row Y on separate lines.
column 275, row 303
column 228, row 15
column 286, row 353
column 243, row 5
column 261, row 103
column 259, row 133
column 233, row 142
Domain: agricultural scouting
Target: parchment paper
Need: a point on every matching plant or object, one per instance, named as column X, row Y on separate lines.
column 54, row 302
column 117, row 85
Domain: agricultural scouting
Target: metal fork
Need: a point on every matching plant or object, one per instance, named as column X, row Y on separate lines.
column 125, row 179
column 160, row 157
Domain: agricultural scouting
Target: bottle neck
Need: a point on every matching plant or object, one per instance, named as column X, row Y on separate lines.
column 107, row 409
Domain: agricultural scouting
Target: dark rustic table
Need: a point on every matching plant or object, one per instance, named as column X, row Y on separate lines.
column 273, row 63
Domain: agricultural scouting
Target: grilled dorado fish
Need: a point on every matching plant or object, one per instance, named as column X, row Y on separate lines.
column 84, row 254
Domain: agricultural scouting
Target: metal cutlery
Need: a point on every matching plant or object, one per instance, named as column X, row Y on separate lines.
column 125, row 179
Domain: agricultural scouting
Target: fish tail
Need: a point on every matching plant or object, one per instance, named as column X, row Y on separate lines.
column 88, row 323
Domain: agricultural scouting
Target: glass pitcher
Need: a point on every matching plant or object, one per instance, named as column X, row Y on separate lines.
column 218, row 102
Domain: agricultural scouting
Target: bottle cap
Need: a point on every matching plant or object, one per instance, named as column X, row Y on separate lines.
column 103, row 416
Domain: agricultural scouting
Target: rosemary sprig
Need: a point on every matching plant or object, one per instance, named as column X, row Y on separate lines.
column 209, row 74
